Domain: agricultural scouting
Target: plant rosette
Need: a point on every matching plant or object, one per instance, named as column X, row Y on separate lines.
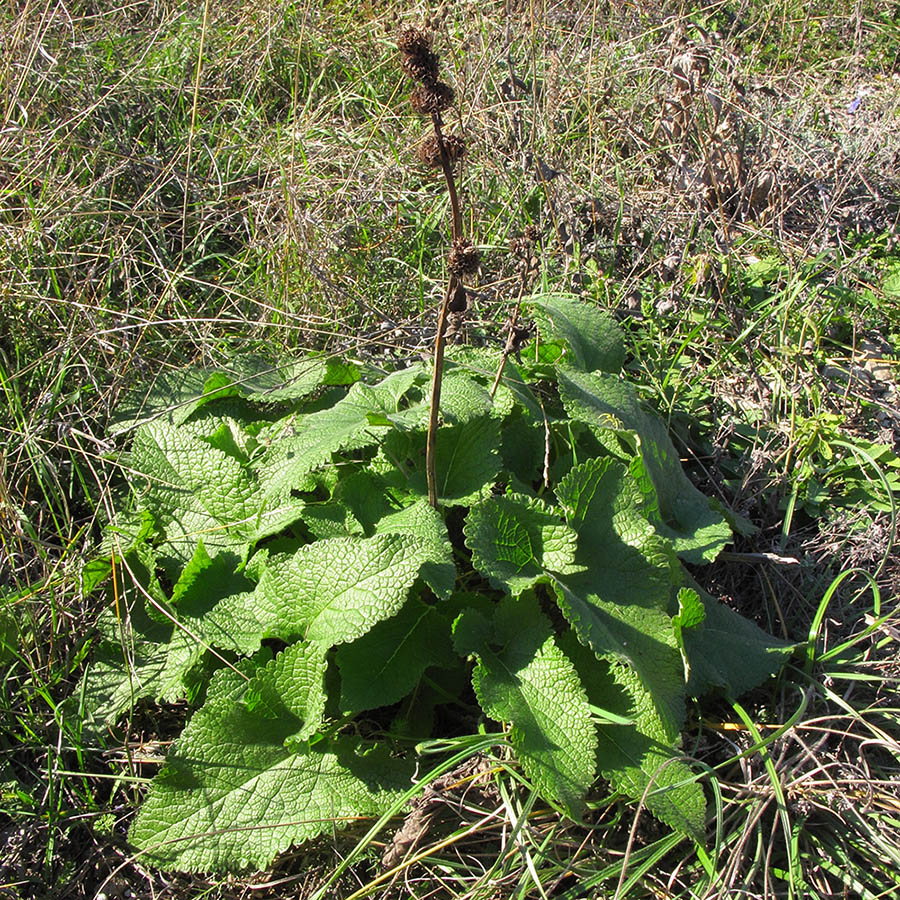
column 278, row 564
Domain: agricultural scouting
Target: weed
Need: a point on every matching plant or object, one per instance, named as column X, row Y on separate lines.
column 765, row 336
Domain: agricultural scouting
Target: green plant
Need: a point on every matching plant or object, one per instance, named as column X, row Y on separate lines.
column 281, row 566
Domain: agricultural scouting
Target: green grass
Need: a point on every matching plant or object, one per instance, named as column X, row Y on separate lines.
column 160, row 207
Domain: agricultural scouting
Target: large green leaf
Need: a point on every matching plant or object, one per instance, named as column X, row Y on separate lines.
column 386, row 663
column 645, row 754
column 515, row 540
column 617, row 604
column 335, row 590
column 522, row 677
column 524, row 446
column 195, row 491
column 641, row 759
column 727, row 652
column 214, row 605
column 358, row 420
column 295, row 681
column 426, row 525
column 172, row 394
column 463, row 398
column 330, row 518
column 640, row 636
column 602, row 502
column 467, row 461
column 617, row 609
column 367, row 495
column 177, row 395
column 680, row 512
column 481, row 364
column 264, row 382
column 594, row 340
column 133, row 656
column 238, row 787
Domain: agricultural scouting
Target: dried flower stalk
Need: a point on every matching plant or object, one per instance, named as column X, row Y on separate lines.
column 431, row 97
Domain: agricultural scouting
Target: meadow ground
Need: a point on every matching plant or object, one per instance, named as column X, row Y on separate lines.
column 191, row 183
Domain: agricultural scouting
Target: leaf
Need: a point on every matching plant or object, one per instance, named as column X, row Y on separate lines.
column 630, row 755
column 690, row 614
column 357, row 420
column 131, row 656
column 335, row 590
column 176, row 396
column 367, row 496
column 129, row 531
column 481, row 363
column 682, row 514
column 523, row 447
column 214, row 604
column 728, row 652
column 425, row 524
column 340, row 371
column 595, row 341
column 466, row 461
column 275, row 516
column 295, row 681
column 514, row 382
column 235, row 791
column 891, row 283
column 386, row 663
column 415, row 716
column 638, row 635
column 617, row 609
column 617, row 604
column 463, row 398
column 111, row 685
column 195, row 491
column 515, row 540
column 260, row 381
column 330, row 519
column 522, row 677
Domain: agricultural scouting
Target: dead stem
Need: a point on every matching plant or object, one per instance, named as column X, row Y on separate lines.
column 453, row 285
column 510, row 338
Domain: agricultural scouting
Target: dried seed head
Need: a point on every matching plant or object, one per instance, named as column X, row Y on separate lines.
column 523, row 248
column 517, row 336
column 421, row 66
column 428, row 99
column 456, row 146
column 429, row 151
column 459, row 301
column 464, row 258
column 520, row 247
column 412, row 40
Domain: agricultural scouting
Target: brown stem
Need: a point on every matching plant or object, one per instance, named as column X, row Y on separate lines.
column 447, row 166
column 440, row 339
column 510, row 338
column 436, row 376
column 527, row 266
